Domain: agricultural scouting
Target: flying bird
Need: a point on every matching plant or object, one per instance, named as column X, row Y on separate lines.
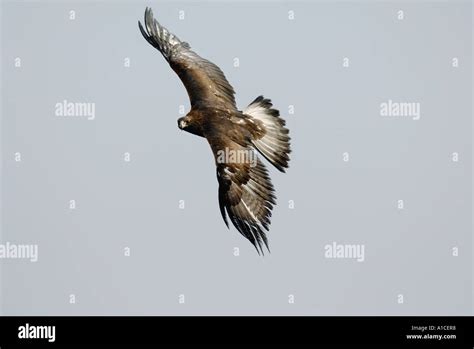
column 246, row 193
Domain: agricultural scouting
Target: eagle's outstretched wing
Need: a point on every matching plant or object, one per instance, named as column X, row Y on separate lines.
column 246, row 192
column 205, row 83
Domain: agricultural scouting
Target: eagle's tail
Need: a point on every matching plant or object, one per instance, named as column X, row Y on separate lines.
column 158, row 36
column 275, row 143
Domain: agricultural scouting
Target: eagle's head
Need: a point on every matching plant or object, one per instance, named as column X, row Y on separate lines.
column 189, row 124
column 182, row 123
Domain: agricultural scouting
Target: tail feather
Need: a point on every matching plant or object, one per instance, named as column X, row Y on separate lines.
column 274, row 145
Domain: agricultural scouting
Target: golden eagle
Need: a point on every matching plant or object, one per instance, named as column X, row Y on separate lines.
column 246, row 193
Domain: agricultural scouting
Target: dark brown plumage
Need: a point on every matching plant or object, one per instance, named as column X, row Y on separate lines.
column 246, row 194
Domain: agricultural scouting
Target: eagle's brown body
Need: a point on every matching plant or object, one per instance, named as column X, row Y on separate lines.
column 214, row 123
column 246, row 193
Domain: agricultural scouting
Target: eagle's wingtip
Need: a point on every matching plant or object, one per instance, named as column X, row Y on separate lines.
column 149, row 11
column 258, row 251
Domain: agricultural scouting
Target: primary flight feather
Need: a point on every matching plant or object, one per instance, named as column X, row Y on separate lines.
column 246, row 193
